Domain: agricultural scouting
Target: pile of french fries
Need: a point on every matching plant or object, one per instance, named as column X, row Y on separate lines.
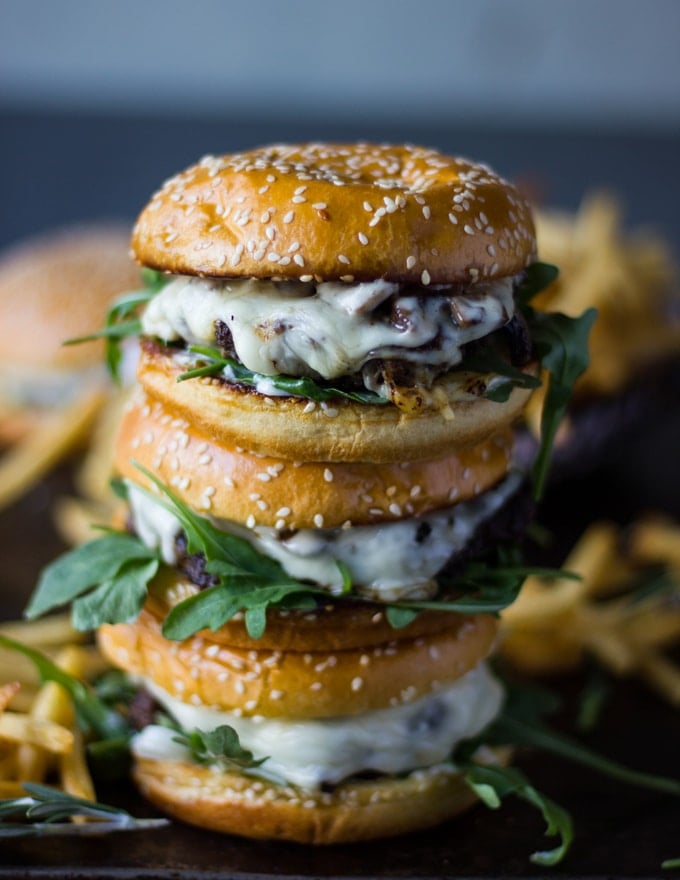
column 629, row 277
column 555, row 625
column 39, row 738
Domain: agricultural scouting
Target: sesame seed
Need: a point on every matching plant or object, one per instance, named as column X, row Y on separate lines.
column 264, row 477
column 453, row 219
column 283, row 511
column 318, row 520
column 320, row 206
column 426, row 212
column 362, row 238
column 491, row 250
column 343, row 259
column 410, row 262
column 425, row 277
column 357, row 684
column 368, row 207
column 288, row 217
column 250, row 522
column 328, row 475
column 468, row 229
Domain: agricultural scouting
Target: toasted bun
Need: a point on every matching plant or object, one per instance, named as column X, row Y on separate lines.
column 354, row 811
column 58, row 287
column 299, row 684
column 227, row 482
column 337, row 212
column 293, row 429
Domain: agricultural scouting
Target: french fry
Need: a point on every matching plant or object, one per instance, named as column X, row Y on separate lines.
column 553, row 626
column 73, row 771
column 55, row 631
column 46, row 735
column 29, row 459
column 7, row 693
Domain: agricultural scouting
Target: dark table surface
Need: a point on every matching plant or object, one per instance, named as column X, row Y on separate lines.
column 59, row 169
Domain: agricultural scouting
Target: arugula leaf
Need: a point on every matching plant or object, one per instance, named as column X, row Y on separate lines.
column 521, row 723
column 118, row 600
column 109, row 559
column 486, row 360
column 219, row 746
column 492, row 783
column 104, row 720
column 302, row 386
column 537, row 277
column 671, row 863
column 562, row 346
column 43, row 811
column 121, row 321
column 487, row 588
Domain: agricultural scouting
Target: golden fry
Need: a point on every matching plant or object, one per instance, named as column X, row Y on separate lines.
column 47, row 735
column 29, row 459
column 73, row 771
column 7, row 694
column 54, row 631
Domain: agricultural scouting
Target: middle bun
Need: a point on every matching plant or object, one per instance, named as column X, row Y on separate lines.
column 297, row 430
column 225, row 481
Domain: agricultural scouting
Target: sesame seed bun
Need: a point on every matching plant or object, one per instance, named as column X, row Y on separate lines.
column 57, row 287
column 291, row 428
column 354, row 811
column 335, row 212
column 52, row 288
column 227, row 482
column 318, row 683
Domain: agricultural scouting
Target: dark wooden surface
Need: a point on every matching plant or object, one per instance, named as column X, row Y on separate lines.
column 60, row 169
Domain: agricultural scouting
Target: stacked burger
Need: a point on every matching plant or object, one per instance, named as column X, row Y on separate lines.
column 318, row 466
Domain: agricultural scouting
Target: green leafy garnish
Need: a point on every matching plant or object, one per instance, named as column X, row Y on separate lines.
column 492, row 783
column 521, row 723
column 487, row 587
column 219, row 746
column 44, row 811
column 114, row 569
column 562, row 346
column 671, row 863
column 92, row 711
column 487, row 360
column 121, row 320
column 302, row 386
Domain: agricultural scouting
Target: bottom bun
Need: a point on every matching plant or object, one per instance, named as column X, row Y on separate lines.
column 359, row 810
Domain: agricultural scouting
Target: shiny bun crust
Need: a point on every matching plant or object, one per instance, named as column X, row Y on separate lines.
column 226, row 482
column 254, row 808
column 299, row 684
column 337, row 212
column 297, row 430
column 60, row 286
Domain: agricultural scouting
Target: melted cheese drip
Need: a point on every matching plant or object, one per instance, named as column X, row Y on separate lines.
column 387, row 562
column 287, row 329
column 312, row 752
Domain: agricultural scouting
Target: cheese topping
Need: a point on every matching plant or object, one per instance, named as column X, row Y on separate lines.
column 330, row 330
column 312, row 752
column 388, row 562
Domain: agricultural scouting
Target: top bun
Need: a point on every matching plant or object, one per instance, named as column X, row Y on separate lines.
column 59, row 286
column 334, row 212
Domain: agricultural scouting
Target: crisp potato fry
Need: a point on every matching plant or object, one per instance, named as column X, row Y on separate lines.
column 553, row 626
column 54, row 631
column 29, row 459
column 7, row 694
column 46, row 734
column 629, row 277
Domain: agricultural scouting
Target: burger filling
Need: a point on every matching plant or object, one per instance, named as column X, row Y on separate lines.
column 379, row 335
column 313, row 752
column 386, row 562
